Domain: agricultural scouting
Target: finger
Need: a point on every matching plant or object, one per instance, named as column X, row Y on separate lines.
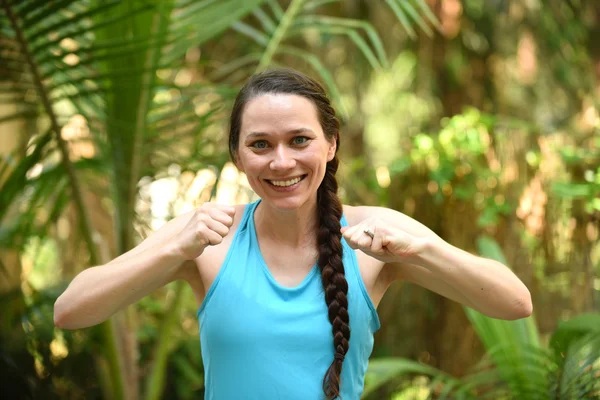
column 348, row 231
column 364, row 242
column 352, row 244
column 212, row 237
column 349, row 237
column 217, row 226
column 357, row 237
column 221, row 216
column 377, row 243
column 229, row 210
column 352, row 237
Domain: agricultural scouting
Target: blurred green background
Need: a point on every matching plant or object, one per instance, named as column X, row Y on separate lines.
column 478, row 118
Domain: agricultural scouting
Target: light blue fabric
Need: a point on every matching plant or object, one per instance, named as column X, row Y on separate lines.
column 261, row 340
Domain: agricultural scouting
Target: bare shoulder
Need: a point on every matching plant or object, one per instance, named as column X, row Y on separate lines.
column 212, row 254
column 206, row 267
column 182, row 219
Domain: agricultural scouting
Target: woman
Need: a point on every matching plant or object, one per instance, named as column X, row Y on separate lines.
column 287, row 304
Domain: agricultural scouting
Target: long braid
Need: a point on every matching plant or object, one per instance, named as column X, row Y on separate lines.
column 328, row 204
column 333, row 275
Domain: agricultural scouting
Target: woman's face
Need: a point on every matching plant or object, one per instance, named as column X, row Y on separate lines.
column 282, row 149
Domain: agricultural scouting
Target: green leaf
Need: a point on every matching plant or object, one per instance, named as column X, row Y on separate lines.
column 573, row 329
column 354, row 36
column 267, row 23
column 382, row 370
column 581, row 368
column 429, row 14
column 331, row 22
column 572, row 190
column 256, row 35
column 402, row 18
column 312, row 5
column 206, row 20
column 415, row 16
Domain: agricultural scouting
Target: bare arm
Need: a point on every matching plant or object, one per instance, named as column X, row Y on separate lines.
column 98, row 292
column 415, row 254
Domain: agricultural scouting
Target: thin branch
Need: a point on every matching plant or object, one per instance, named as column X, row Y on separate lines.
column 286, row 21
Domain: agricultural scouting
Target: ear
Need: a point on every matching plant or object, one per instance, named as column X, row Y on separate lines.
column 331, row 151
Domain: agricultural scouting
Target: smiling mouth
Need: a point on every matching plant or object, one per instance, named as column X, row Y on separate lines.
column 286, row 182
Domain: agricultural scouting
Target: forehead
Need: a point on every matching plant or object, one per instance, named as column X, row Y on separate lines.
column 274, row 112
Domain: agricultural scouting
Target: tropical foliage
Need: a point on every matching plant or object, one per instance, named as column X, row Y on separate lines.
column 516, row 365
column 477, row 118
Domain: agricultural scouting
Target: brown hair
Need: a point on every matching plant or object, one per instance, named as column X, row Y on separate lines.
column 329, row 207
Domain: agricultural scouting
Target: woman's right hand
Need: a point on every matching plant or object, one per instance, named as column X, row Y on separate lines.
column 208, row 225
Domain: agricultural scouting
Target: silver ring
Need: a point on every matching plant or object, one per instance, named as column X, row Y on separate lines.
column 369, row 232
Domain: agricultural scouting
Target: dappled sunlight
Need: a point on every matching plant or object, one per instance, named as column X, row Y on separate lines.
column 393, row 112
column 165, row 198
column 532, row 207
column 76, row 132
column 527, row 59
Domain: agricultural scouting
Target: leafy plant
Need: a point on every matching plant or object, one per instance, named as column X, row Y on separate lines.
column 517, row 365
column 107, row 89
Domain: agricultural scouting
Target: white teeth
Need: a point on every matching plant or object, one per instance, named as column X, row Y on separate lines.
column 286, row 183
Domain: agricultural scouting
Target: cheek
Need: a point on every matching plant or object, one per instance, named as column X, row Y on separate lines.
column 249, row 160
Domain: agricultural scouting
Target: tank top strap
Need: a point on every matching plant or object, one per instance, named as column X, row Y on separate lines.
column 354, row 278
column 240, row 235
column 248, row 214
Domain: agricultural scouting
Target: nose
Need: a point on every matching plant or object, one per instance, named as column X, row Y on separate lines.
column 282, row 159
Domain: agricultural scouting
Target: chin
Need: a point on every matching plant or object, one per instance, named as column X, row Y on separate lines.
column 289, row 203
column 284, row 204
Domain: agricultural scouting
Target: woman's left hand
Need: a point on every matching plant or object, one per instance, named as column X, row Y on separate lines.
column 383, row 242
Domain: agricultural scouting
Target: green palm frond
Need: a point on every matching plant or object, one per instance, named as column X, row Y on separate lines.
column 382, row 370
column 573, row 329
column 516, row 365
column 406, row 10
column 576, row 347
column 277, row 28
column 580, row 373
column 350, row 28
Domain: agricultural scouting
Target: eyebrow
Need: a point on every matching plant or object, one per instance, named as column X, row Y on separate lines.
column 253, row 135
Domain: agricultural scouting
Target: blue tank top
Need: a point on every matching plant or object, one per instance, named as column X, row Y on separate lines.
column 261, row 340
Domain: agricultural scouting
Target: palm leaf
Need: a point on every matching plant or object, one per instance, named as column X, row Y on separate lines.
column 383, row 370
column 346, row 27
column 509, row 343
column 405, row 12
column 573, row 329
column 581, row 369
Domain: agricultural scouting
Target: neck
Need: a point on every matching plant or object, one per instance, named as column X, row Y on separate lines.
column 295, row 228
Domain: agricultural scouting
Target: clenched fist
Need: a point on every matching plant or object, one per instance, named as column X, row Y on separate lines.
column 208, row 225
column 382, row 241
